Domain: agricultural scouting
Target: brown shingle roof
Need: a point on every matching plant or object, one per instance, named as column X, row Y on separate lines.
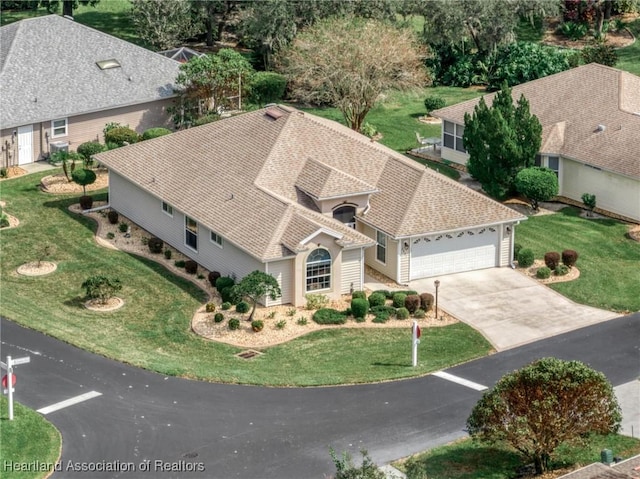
column 242, row 177
column 570, row 105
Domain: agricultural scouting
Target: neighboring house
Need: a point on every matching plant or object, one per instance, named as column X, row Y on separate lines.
column 182, row 54
column 628, row 469
column 61, row 82
column 306, row 200
column 590, row 137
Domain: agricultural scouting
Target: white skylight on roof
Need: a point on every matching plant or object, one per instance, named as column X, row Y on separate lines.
column 107, row 64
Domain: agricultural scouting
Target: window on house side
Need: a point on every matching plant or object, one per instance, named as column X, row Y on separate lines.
column 191, row 233
column 216, row 238
column 59, row 128
column 381, row 249
column 319, row 270
column 167, row 208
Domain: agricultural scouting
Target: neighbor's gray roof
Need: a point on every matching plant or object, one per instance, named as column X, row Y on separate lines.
column 570, row 105
column 240, row 177
column 48, row 70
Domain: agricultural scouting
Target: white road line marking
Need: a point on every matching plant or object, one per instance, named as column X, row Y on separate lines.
column 461, row 381
column 69, row 402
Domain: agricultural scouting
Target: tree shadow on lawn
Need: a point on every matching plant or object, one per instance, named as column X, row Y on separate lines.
column 393, row 365
column 573, row 212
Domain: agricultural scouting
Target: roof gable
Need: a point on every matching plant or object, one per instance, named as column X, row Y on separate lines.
column 324, row 182
column 48, row 70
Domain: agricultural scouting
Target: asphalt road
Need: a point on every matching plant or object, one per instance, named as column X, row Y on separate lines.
column 234, row 431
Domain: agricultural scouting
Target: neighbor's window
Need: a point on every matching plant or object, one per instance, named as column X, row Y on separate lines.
column 59, row 128
column 191, row 233
column 216, row 238
column 319, row 270
column 381, row 249
column 453, row 136
column 167, row 208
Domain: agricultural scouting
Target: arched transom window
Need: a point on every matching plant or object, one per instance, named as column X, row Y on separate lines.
column 346, row 214
column 319, row 270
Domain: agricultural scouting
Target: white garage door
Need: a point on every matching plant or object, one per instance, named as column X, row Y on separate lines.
column 454, row 253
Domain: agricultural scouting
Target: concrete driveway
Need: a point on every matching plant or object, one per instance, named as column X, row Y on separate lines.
column 509, row 308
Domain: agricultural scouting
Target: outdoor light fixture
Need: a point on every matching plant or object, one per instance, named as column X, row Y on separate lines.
column 437, row 285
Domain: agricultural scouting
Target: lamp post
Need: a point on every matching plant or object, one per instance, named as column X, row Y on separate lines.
column 437, row 285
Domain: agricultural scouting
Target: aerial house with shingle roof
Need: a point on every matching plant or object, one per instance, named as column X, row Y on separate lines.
column 590, row 118
column 306, row 200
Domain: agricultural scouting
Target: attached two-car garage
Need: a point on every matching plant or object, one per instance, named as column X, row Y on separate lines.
column 454, row 252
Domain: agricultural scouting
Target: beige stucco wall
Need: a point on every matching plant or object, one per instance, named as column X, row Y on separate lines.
column 615, row 193
column 327, row 206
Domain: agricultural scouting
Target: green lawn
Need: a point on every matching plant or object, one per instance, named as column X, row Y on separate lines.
column 152, row 329
column 29, row 437
column 468, row 459
column 608, row 260
column 629, row 57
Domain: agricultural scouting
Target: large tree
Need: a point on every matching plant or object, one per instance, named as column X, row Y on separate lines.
column 348, row 62
column 163, row 23
column 545, row 404
column 255, row 286
column 207, row 84
column 68, row 6
column 501, row 140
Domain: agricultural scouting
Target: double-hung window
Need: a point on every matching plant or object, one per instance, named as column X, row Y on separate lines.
column 216, row 239
column 191, row 233
column 381, row 249
column 59, row 128
column 167, row 208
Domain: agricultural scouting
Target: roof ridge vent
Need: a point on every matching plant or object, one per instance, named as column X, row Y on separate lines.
column 274, row 113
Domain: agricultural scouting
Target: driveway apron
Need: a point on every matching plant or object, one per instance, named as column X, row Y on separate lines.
column 509, row 308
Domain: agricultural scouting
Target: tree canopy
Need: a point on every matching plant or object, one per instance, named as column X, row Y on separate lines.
column 501, row 140
column 163, row 23
column 256, row 285
column 537, row 184
column 348, row 62
column 545, row 404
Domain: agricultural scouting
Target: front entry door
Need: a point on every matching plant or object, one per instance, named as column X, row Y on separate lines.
column 25, row 144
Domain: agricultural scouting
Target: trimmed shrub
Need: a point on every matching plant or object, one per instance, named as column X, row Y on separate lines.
column 224, row 282
column 380, row 319
column 234, row 324
column 316, row 301
column 329, row 316
column 434, row 102
column 155, row 133
column 402, row 313
column 525, row 258
column 257, row 325
column 377, row 299
column 123, row 227
column 561, row 270
column 218, row 318
column 426, row 301
column 225, row 306
column 88, row 149
column 210, row 307
column 121, row 135
column 113, row 217
column 267, row 87
column 191, row 266
column 228, row 296
column 242, row 307
column 543, row 273
column 384, row 292
column 552, row 259
column 569, row 257
column 359, row 307
column 155, row 245
column 406, row 292
column 412, row 303
column 167, row 254
column 179, row 263
column 382, row 313
column 86, row 202
column 101, row 288
column 213, row 277
column 359, row 294
column 420, row 314
column 398, row 300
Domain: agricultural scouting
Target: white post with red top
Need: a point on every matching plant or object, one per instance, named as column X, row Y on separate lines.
column 9, row 380
column 415, row 333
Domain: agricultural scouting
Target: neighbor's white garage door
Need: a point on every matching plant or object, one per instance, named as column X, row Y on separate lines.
column 454, row 253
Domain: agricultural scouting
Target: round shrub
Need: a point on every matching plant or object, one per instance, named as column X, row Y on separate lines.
column 86, row 202
column 191, row 266
column 420, row 314
column 377, row 299
column 213, row 277
column 398, row 300
column 225, row 306
column 525, row 258
column 402, row 313
column 218, row 317
column 359, row 307
column 412, row 303
column 155, row 245
column 257, row 325
column 242, row 307
column 123, row 227
column 224, row 282
column 88, row 149
column 543, row 273
column 384, row 292
column 121, row 135
column 210, row 307
column 155, row 133
column 569, row 257
column 552, row 259
column 562, row 269
column 426, row 301
column 434, row 102
column 179, row 263
column 267, row 87
column 227, row 295
column 329, row 316
column 234, row 324
column 359, row 294
column 113, row 217
column 167, row 254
